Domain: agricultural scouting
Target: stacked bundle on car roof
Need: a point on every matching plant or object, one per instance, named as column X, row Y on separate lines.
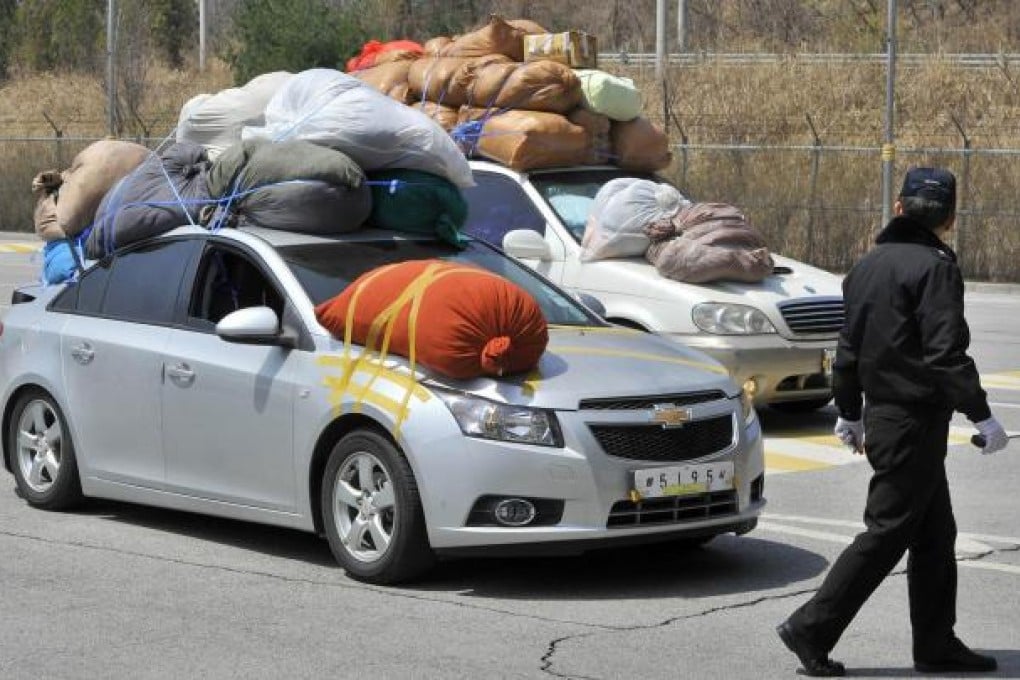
column 515, row 93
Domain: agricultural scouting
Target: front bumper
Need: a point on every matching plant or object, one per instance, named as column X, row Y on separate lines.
column 456, row 471
column 782, row 370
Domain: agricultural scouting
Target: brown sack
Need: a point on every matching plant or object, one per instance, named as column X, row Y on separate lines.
column 435, row 46
column 540, row 86
column 390, row 56
column 385, row 77
column 93, row 172
column 527, row 26
column 429, row 78
column 445, row 116
column 596, row 126
column 526, row 140
column 400, row 93
column 481, row 82
column 496, row 37
column 44, row 188
column 639, row 145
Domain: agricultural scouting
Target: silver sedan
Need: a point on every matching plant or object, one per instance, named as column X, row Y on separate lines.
column 190, row 372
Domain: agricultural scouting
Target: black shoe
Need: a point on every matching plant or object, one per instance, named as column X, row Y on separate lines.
column 816, row 664
column 957, row 658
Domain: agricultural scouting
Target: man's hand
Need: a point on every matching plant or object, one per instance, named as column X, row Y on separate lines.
column 993, row 434
column 851, row 433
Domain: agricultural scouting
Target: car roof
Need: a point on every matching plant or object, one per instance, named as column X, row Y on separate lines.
column 278, row 238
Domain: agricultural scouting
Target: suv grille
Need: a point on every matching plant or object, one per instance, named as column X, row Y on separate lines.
column 813, row 315
column 653, row 442
column 646, row 403
column 673, row 510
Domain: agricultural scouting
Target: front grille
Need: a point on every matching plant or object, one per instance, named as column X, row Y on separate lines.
column 646, row 403
column 813, row 315
column 696, row 439
column 672, row 510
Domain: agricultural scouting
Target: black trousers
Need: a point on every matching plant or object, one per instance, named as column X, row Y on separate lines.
column 908, row 508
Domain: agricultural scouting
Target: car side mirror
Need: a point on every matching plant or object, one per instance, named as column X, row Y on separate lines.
column 592, row 303
column 253, row 326
column 526, row 244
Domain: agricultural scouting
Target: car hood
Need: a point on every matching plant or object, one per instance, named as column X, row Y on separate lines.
column 590, row 363
column 637, row 276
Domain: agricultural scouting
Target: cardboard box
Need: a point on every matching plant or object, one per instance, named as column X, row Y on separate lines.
column 576, row 49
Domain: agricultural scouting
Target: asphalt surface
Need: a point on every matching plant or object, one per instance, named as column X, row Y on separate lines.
column 121, row 591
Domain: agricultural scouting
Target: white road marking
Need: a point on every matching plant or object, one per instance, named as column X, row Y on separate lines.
column 859, row 526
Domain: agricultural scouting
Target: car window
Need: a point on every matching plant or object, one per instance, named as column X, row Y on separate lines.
column 326, row 269
column 229, row 280
column 85, row 295
column 496, row 205
column 571, row 194
column 144, row 282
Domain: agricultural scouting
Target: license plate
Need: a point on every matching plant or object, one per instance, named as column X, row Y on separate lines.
column 684, row 480
column 828, row 359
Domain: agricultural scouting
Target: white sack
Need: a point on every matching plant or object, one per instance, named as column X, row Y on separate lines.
column 215, row 120
column 338, row 110
column 622, row 208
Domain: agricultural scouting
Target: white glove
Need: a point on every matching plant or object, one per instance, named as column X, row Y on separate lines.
column 995, row 436
column 851, row 433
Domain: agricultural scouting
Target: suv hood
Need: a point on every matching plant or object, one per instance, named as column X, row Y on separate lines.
column 640, row 276
column 587, row 363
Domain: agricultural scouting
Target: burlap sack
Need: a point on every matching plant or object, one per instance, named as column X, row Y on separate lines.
column 639, row 145
column 445, row 116
column 496, row 37
column 596, row 126
column 45, row 186
column 390, row 56
column 535, row 86
column 527, row 140
column 385, row 77
column 97, row 168
column 429, row 78
column 435, row 46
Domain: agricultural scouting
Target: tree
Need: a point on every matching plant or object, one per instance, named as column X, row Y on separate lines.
column 61, row 34
column 272, row 36
column 173, row 25
column 8, row 11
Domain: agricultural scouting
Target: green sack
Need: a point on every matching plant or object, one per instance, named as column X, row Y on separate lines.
column 612, row 96
column 417, row 202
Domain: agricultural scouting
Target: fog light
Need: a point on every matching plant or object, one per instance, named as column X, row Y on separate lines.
column 514, row 512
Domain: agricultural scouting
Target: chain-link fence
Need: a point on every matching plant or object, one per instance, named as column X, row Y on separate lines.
column 818, row 203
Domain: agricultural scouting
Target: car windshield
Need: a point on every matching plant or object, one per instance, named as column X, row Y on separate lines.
column 326, row 269
column 570, row 194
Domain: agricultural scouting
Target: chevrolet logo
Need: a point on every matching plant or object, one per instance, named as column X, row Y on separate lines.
column 670, row 415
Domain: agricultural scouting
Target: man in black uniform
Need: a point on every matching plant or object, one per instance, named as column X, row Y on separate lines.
column 904, row 346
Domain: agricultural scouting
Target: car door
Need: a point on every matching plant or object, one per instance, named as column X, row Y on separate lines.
column 111, row 356
column 228, row 408
column 498, row 204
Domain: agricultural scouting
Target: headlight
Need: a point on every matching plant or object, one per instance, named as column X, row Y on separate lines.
column 505, row 422
column 727, row 319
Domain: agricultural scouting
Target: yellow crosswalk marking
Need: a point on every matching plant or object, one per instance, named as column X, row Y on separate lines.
column 19, row 247
column 781, row 462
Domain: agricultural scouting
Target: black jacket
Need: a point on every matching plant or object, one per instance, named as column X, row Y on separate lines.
column 905, row 339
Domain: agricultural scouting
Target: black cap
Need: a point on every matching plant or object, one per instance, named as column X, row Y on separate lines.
column 935, row 184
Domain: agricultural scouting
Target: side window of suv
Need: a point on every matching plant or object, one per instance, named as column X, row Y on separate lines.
column 145, row 282
column 497, row 205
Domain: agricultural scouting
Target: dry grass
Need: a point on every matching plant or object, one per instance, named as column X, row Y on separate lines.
column 827, row 215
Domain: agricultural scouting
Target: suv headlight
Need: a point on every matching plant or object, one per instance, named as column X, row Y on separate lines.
column 479, row 417
column 728, row 319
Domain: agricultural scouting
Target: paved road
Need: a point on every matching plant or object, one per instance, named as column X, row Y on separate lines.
column 120, row 591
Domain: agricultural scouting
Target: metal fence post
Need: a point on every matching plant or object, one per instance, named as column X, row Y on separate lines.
column 816, row 153
column 962, row 207
column 58, row 135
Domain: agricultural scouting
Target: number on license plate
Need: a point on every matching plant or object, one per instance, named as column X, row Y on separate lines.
column 683, row 480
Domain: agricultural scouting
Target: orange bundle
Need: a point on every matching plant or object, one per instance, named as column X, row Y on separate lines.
column 455, row 319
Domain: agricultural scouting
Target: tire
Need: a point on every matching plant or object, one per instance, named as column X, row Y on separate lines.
column 42, row 453
column 375, row 527
column 802, row 406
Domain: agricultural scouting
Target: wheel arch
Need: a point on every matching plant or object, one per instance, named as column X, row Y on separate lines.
column 334, row 432
column 8, row 413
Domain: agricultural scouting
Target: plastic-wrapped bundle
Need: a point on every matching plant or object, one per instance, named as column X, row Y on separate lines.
column 215, row 120
column 337, row 110
column 59, row 263
column 612, row 96
column 622, row 209
column 291, row 185
column 164, row 192
column 709, row 242
column 417, row 202
column 475, row 322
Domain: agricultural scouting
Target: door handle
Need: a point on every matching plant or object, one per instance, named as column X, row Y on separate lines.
column 181, row 374
column 83, row 353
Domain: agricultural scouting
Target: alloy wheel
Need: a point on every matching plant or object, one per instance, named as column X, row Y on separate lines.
column 364, row 507
column 39, row 444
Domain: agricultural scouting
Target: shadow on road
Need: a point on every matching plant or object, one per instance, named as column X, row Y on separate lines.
column 1009, row 667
